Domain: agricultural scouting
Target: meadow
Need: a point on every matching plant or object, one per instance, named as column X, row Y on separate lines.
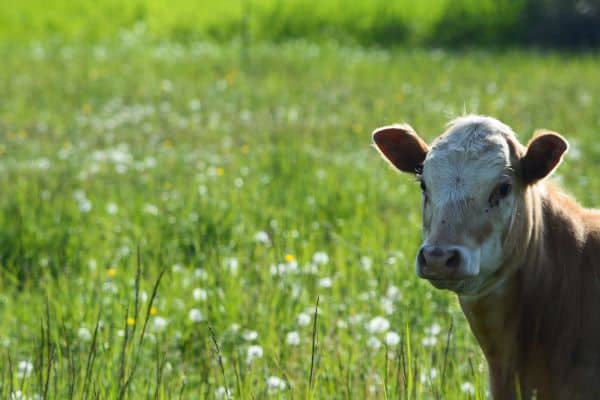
column 174, row 213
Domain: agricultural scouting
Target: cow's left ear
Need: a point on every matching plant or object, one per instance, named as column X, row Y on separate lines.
column 544, row 153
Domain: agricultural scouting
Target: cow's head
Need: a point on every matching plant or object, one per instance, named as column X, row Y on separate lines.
column 474, row 180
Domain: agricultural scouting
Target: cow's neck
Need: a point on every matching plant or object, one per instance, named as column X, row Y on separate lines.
column 495, row 316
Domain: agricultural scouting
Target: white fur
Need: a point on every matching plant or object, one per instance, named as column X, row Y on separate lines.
column 461, row 170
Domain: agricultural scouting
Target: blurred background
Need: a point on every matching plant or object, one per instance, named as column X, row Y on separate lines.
column 549, row 23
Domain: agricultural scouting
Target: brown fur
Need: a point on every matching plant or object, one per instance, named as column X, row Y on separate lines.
column 542, row 331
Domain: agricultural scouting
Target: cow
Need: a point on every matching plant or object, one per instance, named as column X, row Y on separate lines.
column 522, row 256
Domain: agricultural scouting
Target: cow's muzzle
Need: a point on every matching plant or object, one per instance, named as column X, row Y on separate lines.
column 436, row 262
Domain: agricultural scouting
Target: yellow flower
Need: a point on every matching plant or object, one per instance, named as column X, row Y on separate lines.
column 153, row 310
column 290, row 258
column 112, row 272
column 86, row 108
column 220, row 171
column 245, row 149
column 130, row 321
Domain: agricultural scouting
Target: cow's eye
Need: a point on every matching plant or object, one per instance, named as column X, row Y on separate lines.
column 504, row 190
column 500, row 192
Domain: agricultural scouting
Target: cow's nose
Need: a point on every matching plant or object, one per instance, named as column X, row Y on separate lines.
column 436, row 259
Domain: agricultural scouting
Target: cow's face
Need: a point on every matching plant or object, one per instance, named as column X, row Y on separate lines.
column 473, row 181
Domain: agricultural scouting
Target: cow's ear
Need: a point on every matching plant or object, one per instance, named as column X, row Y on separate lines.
column 544, row 153
column 401, row 146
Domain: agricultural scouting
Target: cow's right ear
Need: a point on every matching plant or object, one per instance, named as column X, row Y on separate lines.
column 401, row 146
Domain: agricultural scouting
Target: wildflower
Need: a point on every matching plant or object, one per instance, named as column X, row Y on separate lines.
column 325, row 282
column 373, row 342
column 429, row 341
column 366, row 263
column 393, row 293
column 289, row 258
column 130, row 321
column 254, row 351
column 262, row 237
column 275, row 384
column 112, row 208
column 378, row 325
column 429, row 376
column 24, row 369
column 391, row 338
column 434, row 329
column 303, row 319
column 320, row 258
column 223, row 393
column 195, row 315
column 292, row 338
column 84, row 334
column 111, row 272
column 159, row 323
column 153, row 310
column 387, row 305
column 150, row 209
column 468, row 388
column 232, row 264
column 199, row 294
column 250, row 335
column 219, row 171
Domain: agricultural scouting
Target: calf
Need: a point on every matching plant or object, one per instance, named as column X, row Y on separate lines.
column 522, row 256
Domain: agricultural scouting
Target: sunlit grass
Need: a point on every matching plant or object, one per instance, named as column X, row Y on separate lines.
column 246, row 174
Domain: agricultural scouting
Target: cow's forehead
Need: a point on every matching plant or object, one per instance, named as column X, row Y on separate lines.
column 467, row 158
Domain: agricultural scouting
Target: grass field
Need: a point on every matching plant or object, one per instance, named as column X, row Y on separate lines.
column 156, row 191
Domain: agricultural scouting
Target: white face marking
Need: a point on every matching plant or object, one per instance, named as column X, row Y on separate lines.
column 462, row 170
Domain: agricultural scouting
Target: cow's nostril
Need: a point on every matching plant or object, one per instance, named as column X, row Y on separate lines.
column 454, row 260
column 421, row 258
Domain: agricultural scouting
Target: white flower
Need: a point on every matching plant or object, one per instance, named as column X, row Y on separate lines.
column 320, row 258
column 341, row 324
column 393, row 293
column 232, row 264
column 366, row 263
column 292, row 338
column 325, row 282
column 159, row 323
column 378, row 325
column 199, row 294
column 24, row 369
column 250, row 335
column 303, row 319
column 434, row 329
column 387, row 305
column 262, row 237
column 222, row 393
column 275, row 384
column 195, row 315
column 429, row 341
column 254, row 351
column 468, row 388
column 373, row 342
column 84, row 334
column 150, row 209
column 17, row 395
column 425, row 377
column 391, row 338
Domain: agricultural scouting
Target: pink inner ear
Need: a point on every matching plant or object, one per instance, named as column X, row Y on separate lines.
column 401, row 147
